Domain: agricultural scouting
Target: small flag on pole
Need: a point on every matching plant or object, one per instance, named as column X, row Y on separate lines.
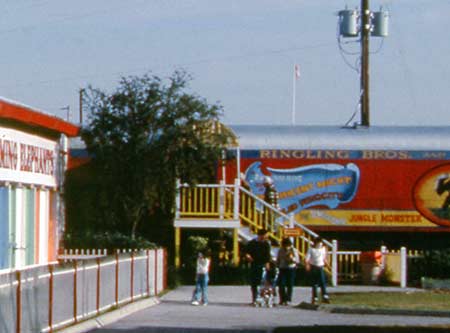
column 297, row 71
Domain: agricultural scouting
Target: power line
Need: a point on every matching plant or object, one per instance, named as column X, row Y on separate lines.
column 179, row 65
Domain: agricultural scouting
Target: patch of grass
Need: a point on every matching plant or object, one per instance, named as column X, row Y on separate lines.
column 427, row 300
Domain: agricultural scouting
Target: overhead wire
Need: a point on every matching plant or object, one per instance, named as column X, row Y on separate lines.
column 179, row 65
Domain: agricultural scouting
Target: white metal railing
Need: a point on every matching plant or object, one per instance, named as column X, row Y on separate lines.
column 45, row 298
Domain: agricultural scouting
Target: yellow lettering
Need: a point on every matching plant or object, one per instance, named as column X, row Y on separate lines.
column 264, row 154
column 285, row 154
column 297, row 154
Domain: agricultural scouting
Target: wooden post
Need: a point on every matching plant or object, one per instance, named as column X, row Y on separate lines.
column 365, row 31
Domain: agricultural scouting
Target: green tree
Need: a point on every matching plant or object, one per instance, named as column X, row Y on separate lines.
column 142, row 137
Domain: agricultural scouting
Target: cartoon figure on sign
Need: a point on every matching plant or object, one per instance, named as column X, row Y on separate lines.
column 431, row 195
column 443, row 185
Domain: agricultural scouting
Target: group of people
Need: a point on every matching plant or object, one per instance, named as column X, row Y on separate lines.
column 259, row 255
column 280, row 272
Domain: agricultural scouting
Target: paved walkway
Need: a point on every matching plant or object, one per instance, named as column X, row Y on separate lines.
column 229, row 311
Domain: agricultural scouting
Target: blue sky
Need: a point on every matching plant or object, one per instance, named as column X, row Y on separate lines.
column 239, row 53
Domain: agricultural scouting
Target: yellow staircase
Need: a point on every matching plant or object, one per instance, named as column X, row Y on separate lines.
column 231, row 206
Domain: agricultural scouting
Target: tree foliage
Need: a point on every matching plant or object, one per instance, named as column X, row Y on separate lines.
column 142, row 137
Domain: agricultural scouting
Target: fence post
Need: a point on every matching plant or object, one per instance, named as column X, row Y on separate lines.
column 164, row 285
column 98, row 286
column 236, row 212
column 18, row 301
column 156, row 271
column 221, row 199
column 291, row 225
column 117, row 279
column 383, row 251
column 147, row 267
column 132, row 276
column 403, row 265
column 75, row 311
column 50, row 299
column 334, row 264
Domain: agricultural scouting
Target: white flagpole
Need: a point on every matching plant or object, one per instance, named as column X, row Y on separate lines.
column 293, row 93
column 294, row 89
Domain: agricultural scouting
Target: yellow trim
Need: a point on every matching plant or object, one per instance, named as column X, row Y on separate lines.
column 177, row 247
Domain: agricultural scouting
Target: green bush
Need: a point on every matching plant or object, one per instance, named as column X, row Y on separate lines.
column 110, row 241
column 433, row 264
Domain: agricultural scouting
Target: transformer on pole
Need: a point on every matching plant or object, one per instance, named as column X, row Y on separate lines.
column 363, row 24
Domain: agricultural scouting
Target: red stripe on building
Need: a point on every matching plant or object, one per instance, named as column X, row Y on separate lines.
column 23, row 114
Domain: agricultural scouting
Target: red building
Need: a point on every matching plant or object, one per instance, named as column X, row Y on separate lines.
column 33, row 160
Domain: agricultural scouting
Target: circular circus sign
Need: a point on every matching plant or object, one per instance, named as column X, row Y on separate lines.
column 431, row 195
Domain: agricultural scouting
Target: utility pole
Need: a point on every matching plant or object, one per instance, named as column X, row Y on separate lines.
column 363, row 25
column 365, row 30
column 81, row 106
column 67, row 109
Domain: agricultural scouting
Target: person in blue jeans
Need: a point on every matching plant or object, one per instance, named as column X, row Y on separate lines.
column 200, row 295
column 287, row 260
column 316, row 259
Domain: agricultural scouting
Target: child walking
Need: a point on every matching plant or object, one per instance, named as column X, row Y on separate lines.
column 200, row 295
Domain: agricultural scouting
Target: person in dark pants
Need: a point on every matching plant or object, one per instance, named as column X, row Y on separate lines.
column 316, row 259
column 287, row 260
column 258, row 255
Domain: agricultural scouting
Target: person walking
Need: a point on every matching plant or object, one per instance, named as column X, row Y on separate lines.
column 258, row 255
column 200, row 295
column 315, row 260
column 287, row 261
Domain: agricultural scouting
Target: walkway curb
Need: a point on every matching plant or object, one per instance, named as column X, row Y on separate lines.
column 110, row 317
column 385, row 311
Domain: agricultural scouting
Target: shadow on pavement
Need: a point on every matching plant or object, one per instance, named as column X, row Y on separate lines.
column 294, row 329
column 359, row 329
column 223, row 304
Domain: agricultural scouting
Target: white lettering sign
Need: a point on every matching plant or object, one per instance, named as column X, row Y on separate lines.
column 26, row 158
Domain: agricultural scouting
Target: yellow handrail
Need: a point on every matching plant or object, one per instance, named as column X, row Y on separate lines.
column 217, row 202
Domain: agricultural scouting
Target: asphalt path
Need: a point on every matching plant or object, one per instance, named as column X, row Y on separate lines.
column 229, row 311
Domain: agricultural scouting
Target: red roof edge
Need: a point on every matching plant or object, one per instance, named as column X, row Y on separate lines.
column 26, row 115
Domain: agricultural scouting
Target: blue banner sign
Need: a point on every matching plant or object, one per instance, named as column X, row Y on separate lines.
column 317, row 185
